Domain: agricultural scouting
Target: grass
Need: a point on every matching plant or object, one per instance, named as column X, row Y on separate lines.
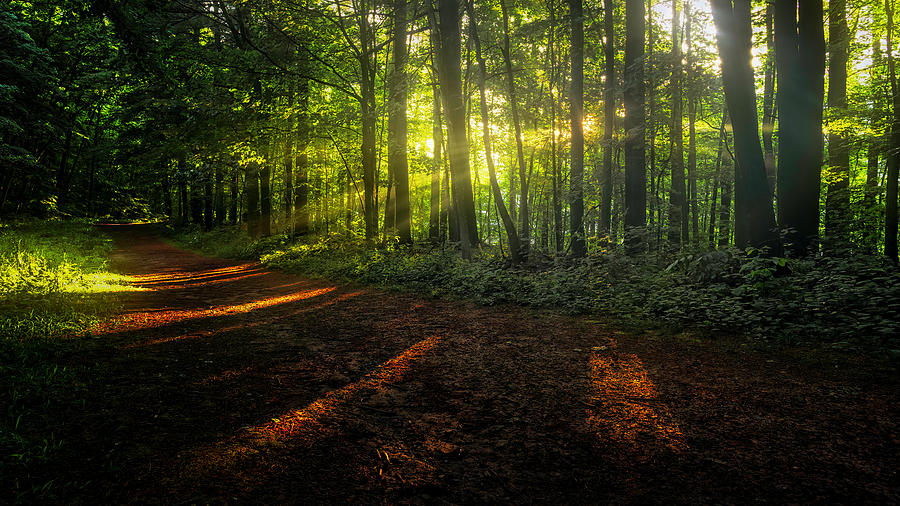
column 54, row 284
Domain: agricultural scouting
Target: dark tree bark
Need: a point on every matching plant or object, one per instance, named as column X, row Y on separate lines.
column 252, row 192
column 369, row 115
column 554, row 147
column 678, row 216
column 576, row 104
column 893, row 159
column 515, row 248
column 871, row 210
column 523, row 214
column 753, row 214
column 692, row 137
column 837, row 199
column 208, row 195
column 288, row 161
column 609, row 115
column 713, row 201
column 635, row 168
column 397, row 125
column 768, row 125
column 437, row 137
column 800, row 46
column 457, row 147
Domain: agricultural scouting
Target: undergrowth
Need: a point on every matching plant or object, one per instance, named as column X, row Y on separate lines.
column 847, row 301
column 53, row 284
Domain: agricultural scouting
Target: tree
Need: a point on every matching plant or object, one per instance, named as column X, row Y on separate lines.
column 515, row 247
column 800, row 64
column 753, row 214
column 576, row 104
column 457, row 146
column 609, row 114
column 397, row 132
column 678, row 216
column 837, row 202
column 635, row 170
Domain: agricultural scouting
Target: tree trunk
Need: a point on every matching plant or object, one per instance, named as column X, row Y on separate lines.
column 515, row 247
column 369, row 115
column 871, row 210
column 692, row 136
column 609, row 115
column 720, row 156
column 576, row 101
column 437, row 138
column 635, row 169
column 457, row 148
column 893, row 161
column 301, row 185
column 768, row 126
column 397, row 125
column 677, row 203
column 288, row 161
column 753, row 214
column 837, row 176
column 800, row 46
column 524, row 228
column 554, row 149
column 252, row 191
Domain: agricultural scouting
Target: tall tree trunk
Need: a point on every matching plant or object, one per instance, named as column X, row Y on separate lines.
column 457, row 148
column 871, row 210
column 252, row 192
column 753, row 214
column 397, row 125
column 233, row 210
column 609, row 115
column 515, row 248
column 768, row 126
column 893, row 160
column 800, row 46
column 692, row 135
column 837, row 199
column 635, row 169
column 288, row 161
column 301, row 185
column 369, row 115
column 554, row 146
column 208, row 195
column 576, row 101
column 677, row 203
column 725, row 207
column 713, row 201
column 437, row 138
column 524, row 219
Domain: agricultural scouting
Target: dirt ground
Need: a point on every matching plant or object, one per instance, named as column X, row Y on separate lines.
column 225, row 382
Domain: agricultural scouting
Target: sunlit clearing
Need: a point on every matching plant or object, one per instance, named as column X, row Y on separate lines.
column 149, row 320
column 309, row 420
column 625, row 404
column 242, row 326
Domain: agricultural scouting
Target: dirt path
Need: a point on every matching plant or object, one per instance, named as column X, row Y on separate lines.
column 224, row 382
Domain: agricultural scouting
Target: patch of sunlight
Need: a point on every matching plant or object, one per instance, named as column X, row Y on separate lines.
column 149, row 320
column 102, row 282
column 625, row 404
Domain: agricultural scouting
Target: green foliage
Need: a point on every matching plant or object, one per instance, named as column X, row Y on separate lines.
column 53, row 284
column 850, row 300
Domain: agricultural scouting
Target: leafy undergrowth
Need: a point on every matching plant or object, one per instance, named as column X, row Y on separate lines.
column 845, row 303
column 53, row 284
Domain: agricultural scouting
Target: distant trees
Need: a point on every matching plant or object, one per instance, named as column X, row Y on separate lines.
column 485, row 124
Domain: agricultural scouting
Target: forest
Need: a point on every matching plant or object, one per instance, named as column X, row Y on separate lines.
column 449, row 251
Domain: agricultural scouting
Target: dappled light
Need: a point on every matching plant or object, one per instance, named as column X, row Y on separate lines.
column 626, row 407
column 142, row 320
column 243, row 326
column 309, row 421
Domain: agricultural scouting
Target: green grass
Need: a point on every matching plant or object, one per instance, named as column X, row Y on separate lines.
column 54, row 283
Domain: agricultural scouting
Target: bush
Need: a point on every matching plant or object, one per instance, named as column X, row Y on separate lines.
column 844, row 301
column 53, row 284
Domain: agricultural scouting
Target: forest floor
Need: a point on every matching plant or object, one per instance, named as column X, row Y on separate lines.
column 226, row 382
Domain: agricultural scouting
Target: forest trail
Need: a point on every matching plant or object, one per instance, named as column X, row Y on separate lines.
column 226, row 382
